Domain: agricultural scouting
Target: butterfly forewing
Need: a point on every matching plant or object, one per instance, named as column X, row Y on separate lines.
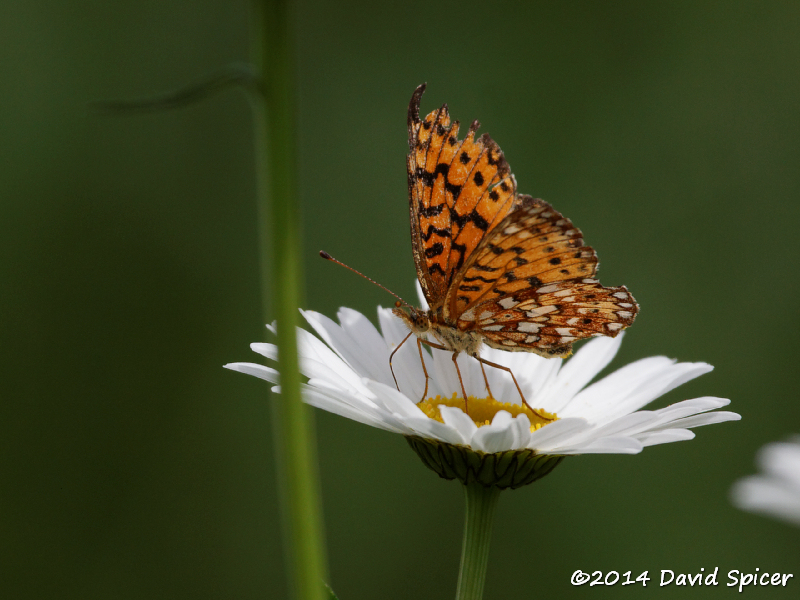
column 458, row 190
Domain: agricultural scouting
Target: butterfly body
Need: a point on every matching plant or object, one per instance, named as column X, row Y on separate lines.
column 496, row 267
column 430, row 323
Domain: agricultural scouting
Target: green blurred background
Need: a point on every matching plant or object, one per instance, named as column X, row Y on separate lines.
column 133, row 466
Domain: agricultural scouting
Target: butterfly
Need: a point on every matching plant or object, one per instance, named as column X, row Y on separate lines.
column 496, row 267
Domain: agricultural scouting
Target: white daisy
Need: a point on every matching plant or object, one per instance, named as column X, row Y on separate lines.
column 348, row 374
column 776, row 492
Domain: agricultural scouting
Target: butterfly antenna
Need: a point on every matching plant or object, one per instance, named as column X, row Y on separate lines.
column 327, row 256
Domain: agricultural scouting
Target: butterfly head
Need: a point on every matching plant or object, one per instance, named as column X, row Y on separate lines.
column 416, row 319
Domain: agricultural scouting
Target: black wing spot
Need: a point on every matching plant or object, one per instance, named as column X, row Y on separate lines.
column 431, row 211
column 520, row 261
column 478, row 178
column 549, row 249
column 435, row 268
column 439, row 129
column 509, row 276
column 534, row 281
column 461, row 249
column 434, row 250
column 555, row 261
column 451, row 140
column 479, row 221
column 424, row 176
column 469, row 288
column 426, row 124
column 494, row 195
column 587, row 321
column 441, row 168
column 495, row 249
column 479, row 278
column 485, row 268
column 464, row 158
column 454, row 189
column 504, row 185
column 565, row 271
column 445, row 233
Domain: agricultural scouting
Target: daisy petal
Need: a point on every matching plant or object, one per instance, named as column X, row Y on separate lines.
column 349, row 374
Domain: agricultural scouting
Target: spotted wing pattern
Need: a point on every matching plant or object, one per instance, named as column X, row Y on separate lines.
column 548, row 319
column 458, row 190
column 529, row 286
column 533, row 245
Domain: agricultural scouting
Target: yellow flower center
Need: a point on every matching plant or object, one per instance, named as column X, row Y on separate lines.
column 483, row 410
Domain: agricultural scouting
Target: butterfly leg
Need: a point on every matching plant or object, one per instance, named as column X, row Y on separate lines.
column 463, row 391
column 485, row 379
column 458, row 371
column 483, row 361
column 424, row 370
column 391, row 356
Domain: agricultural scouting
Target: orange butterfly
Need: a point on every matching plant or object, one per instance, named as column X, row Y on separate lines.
column 496, row 267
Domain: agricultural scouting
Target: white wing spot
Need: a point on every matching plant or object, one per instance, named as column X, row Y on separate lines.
column 541, row 310
column 567, row 339
column 528, row 327
column 469, row 315
column 573, row 321
column 493, row 327
column 487, row 314
column 531, row 339
column 613, row 326
column 511, row 230
column 561, row 293
column 621, row 295
column 625, row 305
column 508, row 343
column 508, row 303
column 563, row 331
column 590, row 281
column 625, row 314
column 548, row 288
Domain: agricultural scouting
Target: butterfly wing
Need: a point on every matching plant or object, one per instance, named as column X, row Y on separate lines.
column 529, row 286
column 549, row 319
column 458, row 190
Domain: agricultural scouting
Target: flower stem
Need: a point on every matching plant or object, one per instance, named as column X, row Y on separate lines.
column 481, row 503
column 279, row 236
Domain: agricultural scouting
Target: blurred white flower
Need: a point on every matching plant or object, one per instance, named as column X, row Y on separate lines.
column 348, row 374
column 776, row 492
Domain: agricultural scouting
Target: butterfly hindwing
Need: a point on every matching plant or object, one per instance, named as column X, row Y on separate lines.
column 532, row 246
column 552, row 316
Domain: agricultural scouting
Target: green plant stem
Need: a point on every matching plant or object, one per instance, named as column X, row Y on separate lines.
column 279, row 236
column 481, row 503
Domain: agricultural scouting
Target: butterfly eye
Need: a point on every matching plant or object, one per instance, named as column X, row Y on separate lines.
column 398, row 304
